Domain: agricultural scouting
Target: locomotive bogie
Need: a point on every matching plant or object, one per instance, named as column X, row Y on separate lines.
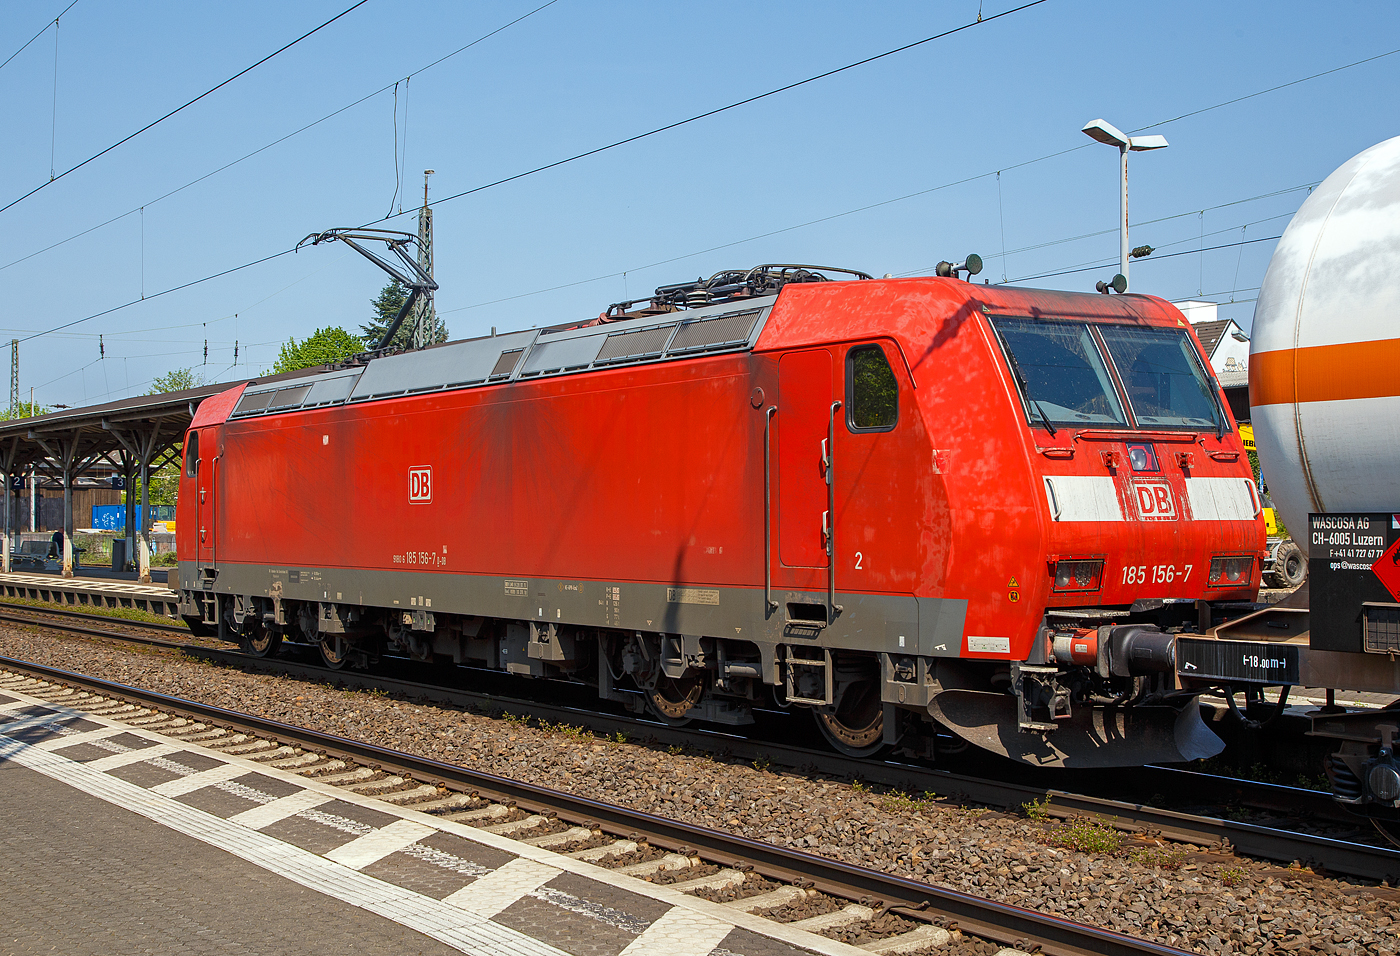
column 901, row 504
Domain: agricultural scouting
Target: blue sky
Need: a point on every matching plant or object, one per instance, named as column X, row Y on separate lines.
column 577, row 75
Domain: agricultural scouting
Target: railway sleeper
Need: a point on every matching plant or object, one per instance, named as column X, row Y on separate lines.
column 715, row 881
column 562, row 838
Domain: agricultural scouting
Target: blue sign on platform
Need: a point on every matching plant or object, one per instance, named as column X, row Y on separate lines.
column 113, row 517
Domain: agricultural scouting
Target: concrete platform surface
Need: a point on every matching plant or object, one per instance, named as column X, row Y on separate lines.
column 157, row 598
column 119, row 839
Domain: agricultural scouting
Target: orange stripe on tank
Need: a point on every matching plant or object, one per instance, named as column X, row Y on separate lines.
column 1326, row 373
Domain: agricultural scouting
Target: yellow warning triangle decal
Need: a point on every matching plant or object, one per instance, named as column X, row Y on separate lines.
column 1013, row 584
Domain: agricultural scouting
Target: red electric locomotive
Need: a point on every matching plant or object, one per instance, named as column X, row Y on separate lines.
column 920, row 508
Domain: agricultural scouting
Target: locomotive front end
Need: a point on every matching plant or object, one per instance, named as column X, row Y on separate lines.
column 1143, row 524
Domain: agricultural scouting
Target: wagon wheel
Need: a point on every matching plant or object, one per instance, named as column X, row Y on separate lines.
column 335, row 652
column 672, row 698
column 258, row 639
column 857, row 728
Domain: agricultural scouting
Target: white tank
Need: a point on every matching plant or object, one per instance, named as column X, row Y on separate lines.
column 1324, row 365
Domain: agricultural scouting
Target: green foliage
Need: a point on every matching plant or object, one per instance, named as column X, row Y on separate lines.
column 897, row 801
column 175, row 381
column 1038, row 810
column 23, row 410
column 1086, row 836
column 386, row 306
column 875, row 394
column 1234, row 875
column 122, row 613
column 1163, row 857
column 323, row 347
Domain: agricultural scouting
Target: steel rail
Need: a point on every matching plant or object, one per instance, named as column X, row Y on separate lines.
column 1271, row 843
column 1001, row 922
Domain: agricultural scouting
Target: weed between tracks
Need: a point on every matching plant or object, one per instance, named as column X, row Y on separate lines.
column 119, row 613
column 562, row 729
column 1082, row 834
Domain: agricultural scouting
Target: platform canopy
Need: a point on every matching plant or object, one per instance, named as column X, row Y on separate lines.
column 134, row 436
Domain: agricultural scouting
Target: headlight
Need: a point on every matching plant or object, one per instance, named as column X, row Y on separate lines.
column 1078, row 574
column 1142, row 458
column 1231, row 570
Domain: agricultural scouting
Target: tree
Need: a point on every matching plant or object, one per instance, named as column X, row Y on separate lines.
column 23, row 410
column 175, row 381
column 323, row 347
column 386, row 307
column 165, row 481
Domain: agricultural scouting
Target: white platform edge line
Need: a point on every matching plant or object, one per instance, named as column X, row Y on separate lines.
column 660, row 893
column 453, row 926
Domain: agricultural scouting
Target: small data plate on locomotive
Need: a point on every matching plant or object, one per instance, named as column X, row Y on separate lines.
column 1255, row 662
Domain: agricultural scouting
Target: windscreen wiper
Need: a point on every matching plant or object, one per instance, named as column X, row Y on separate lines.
column 1026, row 391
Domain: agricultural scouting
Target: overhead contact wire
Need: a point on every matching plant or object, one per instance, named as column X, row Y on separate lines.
column 723, row 109
column 53, row 22
column 183, row 106
column 281, row 139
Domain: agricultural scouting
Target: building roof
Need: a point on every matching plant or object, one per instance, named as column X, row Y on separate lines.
column 1210, row 333
column 147, row 427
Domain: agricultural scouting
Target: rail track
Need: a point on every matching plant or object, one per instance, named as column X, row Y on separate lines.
column 1322, row 853
column 484, row 797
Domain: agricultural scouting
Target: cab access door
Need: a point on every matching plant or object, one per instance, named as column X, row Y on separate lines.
column 804, row 402
column 205, row 463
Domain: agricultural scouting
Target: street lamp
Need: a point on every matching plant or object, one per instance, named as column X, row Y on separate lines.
column 1105, row 132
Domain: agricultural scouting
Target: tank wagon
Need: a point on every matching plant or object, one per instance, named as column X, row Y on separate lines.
column 1324, row 389
column 925, row 510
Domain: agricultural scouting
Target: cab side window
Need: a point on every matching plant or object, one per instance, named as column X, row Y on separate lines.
column 872, row 394
column 192, row 454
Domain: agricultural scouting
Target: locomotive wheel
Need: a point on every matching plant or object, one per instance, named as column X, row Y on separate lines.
column 857, row 729
column 259, row 640
column 334, row 651
column 672, row 699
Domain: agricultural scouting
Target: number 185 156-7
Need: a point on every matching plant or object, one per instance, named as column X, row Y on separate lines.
column 1155, row 573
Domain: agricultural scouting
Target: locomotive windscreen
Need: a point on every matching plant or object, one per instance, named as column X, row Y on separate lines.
column 1061, row 371
column 1164, row 380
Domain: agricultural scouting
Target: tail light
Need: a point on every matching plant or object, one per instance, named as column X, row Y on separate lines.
column 1227, row 571
column 1078, row 574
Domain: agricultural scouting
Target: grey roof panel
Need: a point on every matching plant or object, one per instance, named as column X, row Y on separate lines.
column 332, row 389
column 564, row 354
column 444, row 366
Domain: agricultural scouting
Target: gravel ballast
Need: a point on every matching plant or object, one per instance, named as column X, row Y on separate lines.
column 1204, row 902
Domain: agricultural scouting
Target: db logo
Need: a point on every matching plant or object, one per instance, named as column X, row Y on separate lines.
column 420, row 484
column 1154, row 500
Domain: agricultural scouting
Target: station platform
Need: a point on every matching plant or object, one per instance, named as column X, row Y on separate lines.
column 120, row 839
column 92, row 589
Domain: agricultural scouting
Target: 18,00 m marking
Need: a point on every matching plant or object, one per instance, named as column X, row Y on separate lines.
column 1155, row 573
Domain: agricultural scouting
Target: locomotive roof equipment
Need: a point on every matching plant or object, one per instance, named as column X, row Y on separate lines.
column 412, row 275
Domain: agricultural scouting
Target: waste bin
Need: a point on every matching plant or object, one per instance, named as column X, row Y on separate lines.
column 119, row 554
